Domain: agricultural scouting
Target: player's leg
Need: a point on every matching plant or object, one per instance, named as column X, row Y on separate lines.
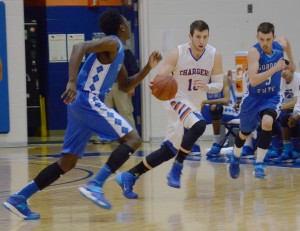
column 264, row 141
column 127, row 179
column 113, row 127
column 76, row 138
column 288, row 154
column 275, row 149
column 167, row 151
column 216, row 111
column 195, row 125
column 248, row 123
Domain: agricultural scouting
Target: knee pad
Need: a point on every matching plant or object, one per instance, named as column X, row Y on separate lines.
column 270, row 112
column 264, row 140
column 198, row 128
column 216, row 114
column 239, row 142
column 246, row 133
column 193, row 134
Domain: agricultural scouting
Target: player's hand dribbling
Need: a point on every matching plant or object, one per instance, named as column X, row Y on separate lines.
column 154, row 59
column 70, row 93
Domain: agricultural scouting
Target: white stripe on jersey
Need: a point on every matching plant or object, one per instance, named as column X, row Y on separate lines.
column 97, row 70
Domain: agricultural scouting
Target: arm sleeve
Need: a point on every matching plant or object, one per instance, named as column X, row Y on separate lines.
column 216, row 84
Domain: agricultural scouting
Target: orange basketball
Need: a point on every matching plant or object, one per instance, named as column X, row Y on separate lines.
column 164, row 87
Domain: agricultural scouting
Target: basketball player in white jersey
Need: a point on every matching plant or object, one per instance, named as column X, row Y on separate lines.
column 87, row 113
column 197, row 68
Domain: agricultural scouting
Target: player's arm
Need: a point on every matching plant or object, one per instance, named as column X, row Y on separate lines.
column 109, row 45
column 293, row 120
column 128, row 83
column 289, row 105
column 226, row 94
column 216, row 78
column 284, row 42
column 256, row 78
column 170, row 63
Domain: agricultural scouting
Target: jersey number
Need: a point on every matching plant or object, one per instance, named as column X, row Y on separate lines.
column 192, row 85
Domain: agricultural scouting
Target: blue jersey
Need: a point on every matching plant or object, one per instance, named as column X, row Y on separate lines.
column 88, row 114
column 271, row 86
column 98, row 78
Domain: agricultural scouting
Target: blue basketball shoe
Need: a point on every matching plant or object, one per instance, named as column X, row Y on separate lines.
column 285, row 157
column 272, row 153
column 95, row 194
column 297, row 161
column 174, row 175
column 17, row 204
column 234, row 167
column 294, row 155
column 195, row 153
column 247, row 152
column 214, row 151
column 259, row 170
column 126, row 181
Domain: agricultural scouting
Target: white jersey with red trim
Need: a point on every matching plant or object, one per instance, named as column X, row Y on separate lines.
column 189, row 71
column 184, row 110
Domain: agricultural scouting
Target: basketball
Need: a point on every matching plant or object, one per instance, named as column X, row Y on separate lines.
column 164, row 87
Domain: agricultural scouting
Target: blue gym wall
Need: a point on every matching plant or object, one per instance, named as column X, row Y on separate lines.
column 54, row 76
column 4, row 101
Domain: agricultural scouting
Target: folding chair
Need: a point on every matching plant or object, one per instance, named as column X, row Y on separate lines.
column 230, row 126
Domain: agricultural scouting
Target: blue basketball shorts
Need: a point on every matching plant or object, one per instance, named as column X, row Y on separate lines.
column 88, row 115
column 251, row 108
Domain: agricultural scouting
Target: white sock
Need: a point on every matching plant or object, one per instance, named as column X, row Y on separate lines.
column 237, row 151
column 217, row 139
column 260, row 155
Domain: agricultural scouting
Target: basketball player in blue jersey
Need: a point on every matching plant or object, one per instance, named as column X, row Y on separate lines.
column 197, row 68
column 221, row 107
column 87, row 114
column 262, row 100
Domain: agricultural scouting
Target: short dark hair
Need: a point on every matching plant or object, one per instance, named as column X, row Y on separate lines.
column 266, row 28
column 110, row 21
column 198, row 25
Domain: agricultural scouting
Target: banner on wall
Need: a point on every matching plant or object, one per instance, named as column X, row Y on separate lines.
column 4, row 106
